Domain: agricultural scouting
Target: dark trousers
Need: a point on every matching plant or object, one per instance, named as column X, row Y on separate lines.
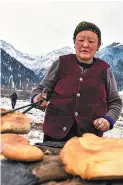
column 73, row 132
column 13, row 103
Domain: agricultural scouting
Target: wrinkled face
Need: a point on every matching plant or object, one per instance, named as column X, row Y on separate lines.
column 86, row 45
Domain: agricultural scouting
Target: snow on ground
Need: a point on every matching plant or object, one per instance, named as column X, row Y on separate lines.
column 121, row 93
column 36, row 135
column 36, row 114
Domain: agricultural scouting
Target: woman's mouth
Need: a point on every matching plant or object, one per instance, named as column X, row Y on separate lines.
column 84, row 51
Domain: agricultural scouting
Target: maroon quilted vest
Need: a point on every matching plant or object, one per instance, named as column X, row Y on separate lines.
column 77, row 96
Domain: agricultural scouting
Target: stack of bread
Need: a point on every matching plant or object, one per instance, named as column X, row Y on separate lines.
column 14, row 146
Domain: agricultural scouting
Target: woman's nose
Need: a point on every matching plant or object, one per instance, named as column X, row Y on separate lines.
column 85, row 44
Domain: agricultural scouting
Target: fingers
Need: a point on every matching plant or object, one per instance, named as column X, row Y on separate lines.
column 36, row 98
column 102, row 124
column 44, row 104
column 98, row 124
column 44, row 95
column 39, row 96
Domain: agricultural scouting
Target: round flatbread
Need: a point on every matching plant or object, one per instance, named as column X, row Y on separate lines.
column 20, row 152
column 15, row 122
column 13, row 139
column 93, row 157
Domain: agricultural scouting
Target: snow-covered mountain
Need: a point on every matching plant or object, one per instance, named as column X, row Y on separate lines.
column 45, row 62
column 26, row 59
column 15, row 75
column 39, row 64
column 113, row 54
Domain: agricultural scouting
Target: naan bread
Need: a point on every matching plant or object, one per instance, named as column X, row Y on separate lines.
column 93, row 157
column 13, row 139
column 20, row 152
column 15, row 122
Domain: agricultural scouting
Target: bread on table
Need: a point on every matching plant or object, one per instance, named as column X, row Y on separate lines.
column 20, row 152
column 93, row 157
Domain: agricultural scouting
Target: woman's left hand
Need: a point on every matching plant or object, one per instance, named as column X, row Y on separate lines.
column 102, row 124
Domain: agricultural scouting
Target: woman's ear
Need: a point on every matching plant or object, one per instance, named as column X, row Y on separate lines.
column 99, row 45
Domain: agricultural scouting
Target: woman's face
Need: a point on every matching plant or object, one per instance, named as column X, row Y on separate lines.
column 86, row 45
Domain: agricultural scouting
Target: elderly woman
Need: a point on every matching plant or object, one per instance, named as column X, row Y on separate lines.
column 81, row 90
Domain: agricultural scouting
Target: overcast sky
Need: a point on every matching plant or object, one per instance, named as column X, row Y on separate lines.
column 38, row 27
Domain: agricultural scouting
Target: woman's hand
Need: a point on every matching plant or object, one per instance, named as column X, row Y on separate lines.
column 44, row 103
column 102, row 124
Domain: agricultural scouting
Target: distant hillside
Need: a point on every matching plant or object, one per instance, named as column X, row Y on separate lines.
column 14, row 74
column 113, row 54
column 23, row 71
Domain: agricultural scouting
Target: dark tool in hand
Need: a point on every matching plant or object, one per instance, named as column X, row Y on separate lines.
column 30, row 106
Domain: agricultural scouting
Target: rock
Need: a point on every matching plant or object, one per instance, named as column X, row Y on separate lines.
column 78, row 181
column 50, row 168
column 15, row 173
column 49, row 171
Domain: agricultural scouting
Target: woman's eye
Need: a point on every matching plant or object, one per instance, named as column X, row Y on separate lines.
column 91, row 41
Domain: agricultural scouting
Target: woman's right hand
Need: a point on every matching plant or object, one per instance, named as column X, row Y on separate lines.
column 44, row 104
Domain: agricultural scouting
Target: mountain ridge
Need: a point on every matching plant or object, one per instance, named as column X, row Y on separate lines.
column 38, row 65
